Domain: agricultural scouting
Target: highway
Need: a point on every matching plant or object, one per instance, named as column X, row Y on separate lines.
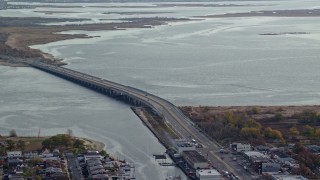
column 182, row 125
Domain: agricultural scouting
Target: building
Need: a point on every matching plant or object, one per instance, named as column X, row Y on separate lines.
column 14, row 154
column 287, row 177
column 31, row 155
column 254, row 156
column 269, row 167
column 262, row 148
column 195, row 160
column 239, row 147
column 208, row 174
column 184, row 145
column 313, row 148
column 46, row 155
column 92, row 155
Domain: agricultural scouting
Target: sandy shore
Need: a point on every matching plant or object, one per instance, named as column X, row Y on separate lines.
column 34, row 143
column 93, row 143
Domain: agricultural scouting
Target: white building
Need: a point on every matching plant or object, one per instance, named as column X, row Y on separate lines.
column 184, row 145
column 14, row 154
column 239, row 147
column 254, row 156
column 208, row 174
column 92, row 155
column 31, row 155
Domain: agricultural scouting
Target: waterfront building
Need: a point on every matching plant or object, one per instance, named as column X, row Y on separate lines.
column 195, row 160
column 184, row 145
column 208, row 174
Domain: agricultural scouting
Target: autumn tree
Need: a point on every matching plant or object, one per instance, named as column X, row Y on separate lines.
column 308, row 131
column 294, row 131
column 273, row 134
column 255, row 110
column 278, row 116
column 248, row 132
column 251, row 123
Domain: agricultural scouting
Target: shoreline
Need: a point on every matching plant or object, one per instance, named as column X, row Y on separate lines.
column 87, row 141
column 16, row 39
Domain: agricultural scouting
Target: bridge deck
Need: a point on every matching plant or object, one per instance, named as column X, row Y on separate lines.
column 181, row 124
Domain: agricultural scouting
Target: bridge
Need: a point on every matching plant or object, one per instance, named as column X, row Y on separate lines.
column 181, row 124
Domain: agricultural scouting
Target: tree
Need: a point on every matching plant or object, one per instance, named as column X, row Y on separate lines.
column 308, row 131
column 278, row 116
column 305, row 170
column 66, row 140
column 48, row 144
column 69, row 132
column 255, row 110
column 11, row 145
column 297, row 148
column 21, row 145
column 317, row 132
column 273, row 134
column 277, row 134
column 27, row 173
column 229, row 117
column 2, row 151
column 268, row 132
column 78, row 144
column 104, row 153
column 294, row 131
column 13, row 133
column 247, row 132
column 251, row 123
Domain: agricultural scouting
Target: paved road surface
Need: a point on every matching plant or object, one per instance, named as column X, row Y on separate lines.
column 74, row 166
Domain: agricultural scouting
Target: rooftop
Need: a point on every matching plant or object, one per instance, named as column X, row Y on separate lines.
column 207, row 172
column 194, row 156
column 288, row 177
column 187, row 144
column 255, row 154
column 183, row 143
column 314, row 148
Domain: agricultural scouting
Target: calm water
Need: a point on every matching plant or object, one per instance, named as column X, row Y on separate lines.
column 209, row 62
